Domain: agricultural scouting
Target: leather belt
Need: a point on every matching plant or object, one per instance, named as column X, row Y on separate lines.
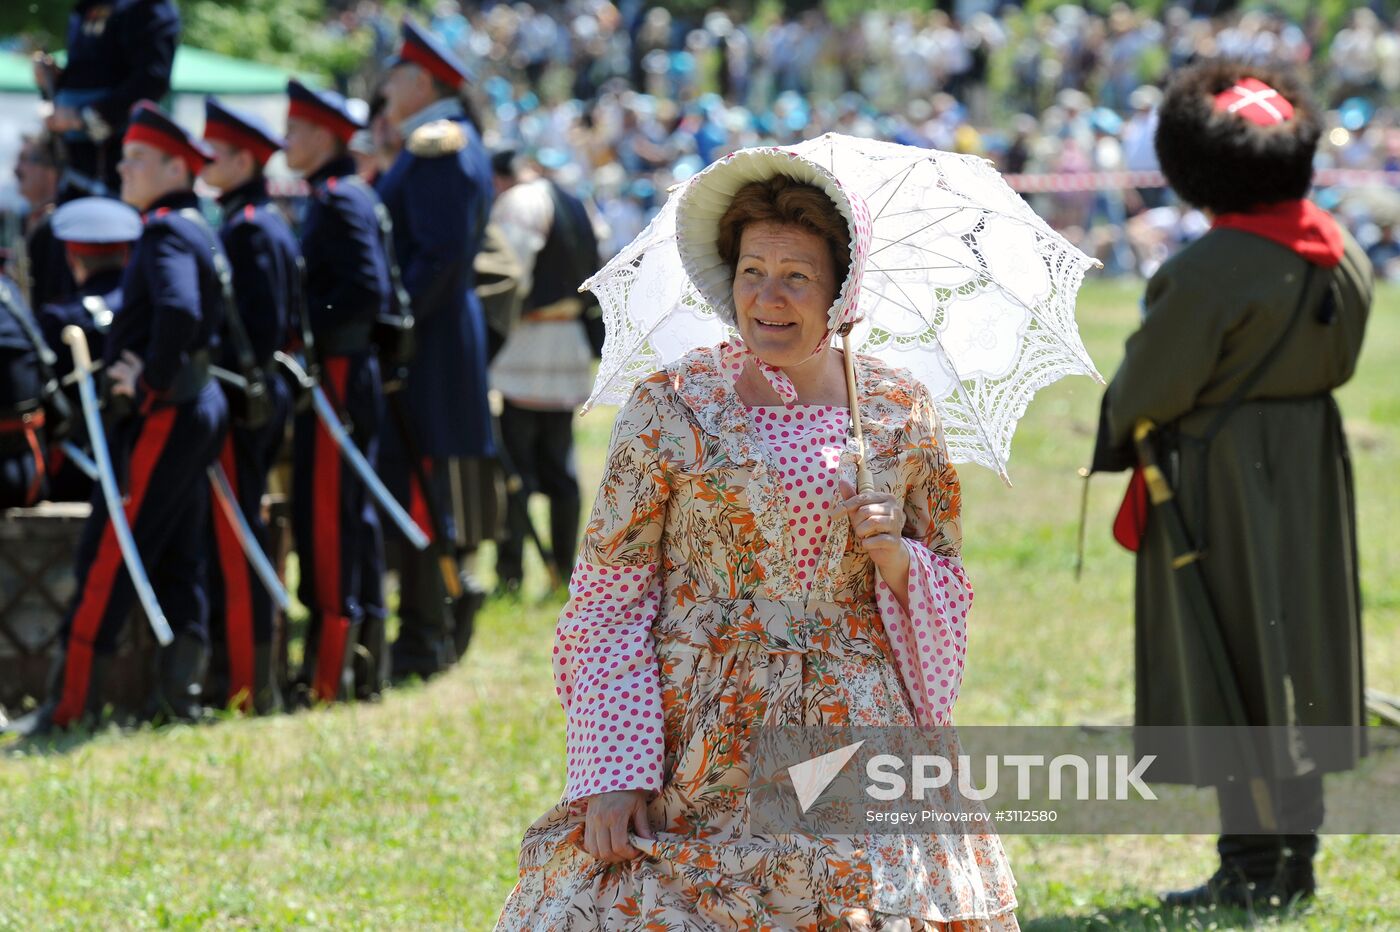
column 348, row 340
column 189, row 381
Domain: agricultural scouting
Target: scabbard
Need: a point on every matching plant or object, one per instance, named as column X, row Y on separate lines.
column 1190, row 576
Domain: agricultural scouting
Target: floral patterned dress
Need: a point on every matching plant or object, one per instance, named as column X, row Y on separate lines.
column 717, row 591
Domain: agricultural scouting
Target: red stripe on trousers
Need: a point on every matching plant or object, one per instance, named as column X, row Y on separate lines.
column 36, row 484
column 326, row 530
column 238, row 593
column 418, row 499
column 102, row 575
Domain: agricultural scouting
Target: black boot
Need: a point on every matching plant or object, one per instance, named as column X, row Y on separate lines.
column 464, row 614
column 180, row 672
column 303, row 691
column 422, row 648
column 369, row 659
column 1299, row 882
column 267, row 692
column 1249, row 877
column 40, row 722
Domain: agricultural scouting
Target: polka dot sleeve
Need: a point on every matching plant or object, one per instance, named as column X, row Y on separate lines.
column 606, row 677
column 930, row 640
column 605, row 667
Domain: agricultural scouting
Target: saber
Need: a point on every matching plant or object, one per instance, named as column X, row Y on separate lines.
column 79, row 459
column 116, row 512
column 218, row 480
column 382, row 497
column 73, row 377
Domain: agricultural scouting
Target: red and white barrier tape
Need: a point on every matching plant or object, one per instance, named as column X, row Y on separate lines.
column 1069, row 182
column 1051, row 182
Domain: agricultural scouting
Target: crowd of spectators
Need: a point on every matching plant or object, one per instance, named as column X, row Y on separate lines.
column 621, row 100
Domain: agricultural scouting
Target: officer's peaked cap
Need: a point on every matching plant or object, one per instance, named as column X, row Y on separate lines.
column 151, row 125
column 420, row 47
column 324, row 108
column 240, row 129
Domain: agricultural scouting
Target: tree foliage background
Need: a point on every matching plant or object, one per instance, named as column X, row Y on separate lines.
column 303, row 34
column 291, row 33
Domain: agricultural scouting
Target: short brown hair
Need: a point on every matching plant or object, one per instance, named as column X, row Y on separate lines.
column 780, row 199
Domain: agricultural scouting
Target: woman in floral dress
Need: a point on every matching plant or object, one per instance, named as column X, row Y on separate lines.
column 731, row 578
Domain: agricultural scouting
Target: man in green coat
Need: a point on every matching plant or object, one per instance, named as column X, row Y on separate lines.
column 1246, row 333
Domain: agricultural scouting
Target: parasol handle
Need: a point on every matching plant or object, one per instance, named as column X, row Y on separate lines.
column 863, row 481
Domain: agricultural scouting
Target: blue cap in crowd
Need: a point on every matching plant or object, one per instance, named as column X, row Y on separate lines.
column 100, row 223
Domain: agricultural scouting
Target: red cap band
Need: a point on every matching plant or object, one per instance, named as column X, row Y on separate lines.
column 1256, row 102
column 140, row 132
column 435, row 66
column 216, row 131
column 95, row 249
column 340, row 128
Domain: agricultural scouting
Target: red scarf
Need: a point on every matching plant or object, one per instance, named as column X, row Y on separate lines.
column 1300, row 225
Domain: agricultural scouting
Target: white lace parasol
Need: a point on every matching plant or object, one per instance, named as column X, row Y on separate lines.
column 964, row 286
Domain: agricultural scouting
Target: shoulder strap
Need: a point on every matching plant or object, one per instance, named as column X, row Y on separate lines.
column 1238, row 395
column 242, row 344
column 386, row 238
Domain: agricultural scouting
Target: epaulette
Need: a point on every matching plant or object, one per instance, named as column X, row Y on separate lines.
column 436, row 139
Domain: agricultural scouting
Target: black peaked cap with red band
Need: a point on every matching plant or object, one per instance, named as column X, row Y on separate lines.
column 240, row 129
column 324, row 108
column 419, row 47
column 152, row 126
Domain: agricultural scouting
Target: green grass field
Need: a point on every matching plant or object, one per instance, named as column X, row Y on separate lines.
column 406, row 814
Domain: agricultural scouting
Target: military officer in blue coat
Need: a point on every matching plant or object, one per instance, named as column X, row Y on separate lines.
column 21, row 404
column 97, row 235
column 156, row 360
column 439, row 193
column 264, row 256
column 119, row 52
column 338, row 536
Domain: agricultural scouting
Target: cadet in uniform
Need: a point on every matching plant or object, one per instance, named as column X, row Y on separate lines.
column 337, row 531
column 439, row 192
column 119, row 52
column 157, row 359
column 97, row 235
column 264, row 256
column 22, row 414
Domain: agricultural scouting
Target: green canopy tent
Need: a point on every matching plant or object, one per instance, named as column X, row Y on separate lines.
column 252, row 86
column 197, row 71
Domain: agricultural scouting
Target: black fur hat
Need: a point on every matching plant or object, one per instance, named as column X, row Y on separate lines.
column 1221, row 160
